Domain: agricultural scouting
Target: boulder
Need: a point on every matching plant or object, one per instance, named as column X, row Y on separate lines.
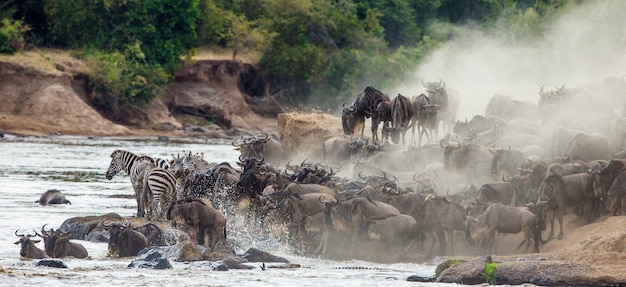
column 184, row 251
column 152, row 258
column 234, row 263
column 79, row 227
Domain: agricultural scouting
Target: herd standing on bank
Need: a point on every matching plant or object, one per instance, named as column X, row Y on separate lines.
column 511, row 169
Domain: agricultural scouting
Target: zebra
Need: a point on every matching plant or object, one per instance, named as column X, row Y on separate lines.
column 162, row 163
column 136, row 167
column 161, row 189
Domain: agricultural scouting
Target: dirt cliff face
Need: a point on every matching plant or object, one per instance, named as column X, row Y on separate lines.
column 232, row 94
column 44, row 92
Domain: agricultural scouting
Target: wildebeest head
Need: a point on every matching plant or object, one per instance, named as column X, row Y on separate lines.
column 24, row 241
column 252, row 146
column 51, row 239
column 114, row 229
column 425, row 182
column 351, row 120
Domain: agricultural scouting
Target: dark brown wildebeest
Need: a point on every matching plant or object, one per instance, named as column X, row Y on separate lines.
column 503, row 219
column 28, row 248
column 456, row 157
column 353, row 117
column 58, row 245
column 401, row 116
column 196, row 215
column 302, row 207
column 499, row 191
column 397, row 231
column 588, row 147
column 124, row 241
column 615, row 194
column 504, row 161
column 384, row 113
column 562, row 192
column 413, row 204
column 337, row 150
column 602, row 180
column 358, row 211
column 533, row 173
column 450, row 215
column 508, row 109
column 448, row 101
column 52, row 196
column 424, row 117
column 261, row 146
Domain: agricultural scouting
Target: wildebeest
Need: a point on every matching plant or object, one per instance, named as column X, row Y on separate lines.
column 124, row 241
column 401, row 116
column 448, row 101
column 153, row 233
column 301, row 207
column 384, row 115
column 197, row 215
column 353, row 117
column 337, row 150
column 616, row 193
column 562, row 192
column 588, row 147
column 503, row 219
column 28, row 248
column 499, row 191
column 450, row 215
column 261, row 146
column 504, row 161
column 52, row 196
column 397, row 231
column 58, row 245
column 424, row 117
column 456, row 157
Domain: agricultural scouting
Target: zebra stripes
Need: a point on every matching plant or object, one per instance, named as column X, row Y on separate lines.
column 161, row 187
column 136, row 167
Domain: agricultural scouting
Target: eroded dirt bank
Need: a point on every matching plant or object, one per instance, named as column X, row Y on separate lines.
column 44, row 92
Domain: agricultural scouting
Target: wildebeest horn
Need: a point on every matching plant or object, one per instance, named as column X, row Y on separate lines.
column 103, row 224
column 17, row 234
column 505, row 179
column 517, row 168
column 344, row 105
column 435, row 174
column 423, row 84
column 43, row 230
column 265, row 136
column 360, row 172
column 126, row 224
column 509, row 149
column 237, row 142
column 448, row 192
column 429, row 197
column 417, row 175
column 442, row 141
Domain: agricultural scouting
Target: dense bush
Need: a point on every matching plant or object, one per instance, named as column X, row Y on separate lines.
column 315, row 52
column 12, row 36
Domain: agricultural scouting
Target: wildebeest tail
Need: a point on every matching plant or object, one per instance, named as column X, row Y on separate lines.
column 224, row 233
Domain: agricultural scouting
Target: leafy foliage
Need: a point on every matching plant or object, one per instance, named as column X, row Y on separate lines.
column 489, row 273
column 318, row 52
column 12, row 36
column 122, row 83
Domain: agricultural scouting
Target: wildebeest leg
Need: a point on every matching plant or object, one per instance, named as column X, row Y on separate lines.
column 201, row 235
column 561, row 212
column 374, row 129
column 322, row 245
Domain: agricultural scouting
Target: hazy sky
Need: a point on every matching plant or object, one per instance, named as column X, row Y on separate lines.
column 584, row 46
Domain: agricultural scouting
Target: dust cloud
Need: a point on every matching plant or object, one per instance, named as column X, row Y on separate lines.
column 583, row 46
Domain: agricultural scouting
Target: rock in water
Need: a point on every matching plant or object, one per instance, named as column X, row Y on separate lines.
column 51, row 263
column 151, row 258
column 417, row 278
column 256, row 255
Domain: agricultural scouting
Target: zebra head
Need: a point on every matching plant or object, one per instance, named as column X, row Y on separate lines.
column 117, row 163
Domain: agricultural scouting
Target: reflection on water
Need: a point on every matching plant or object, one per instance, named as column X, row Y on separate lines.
column 76, row 166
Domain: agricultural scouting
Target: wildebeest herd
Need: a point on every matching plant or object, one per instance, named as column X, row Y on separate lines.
column 511, row 169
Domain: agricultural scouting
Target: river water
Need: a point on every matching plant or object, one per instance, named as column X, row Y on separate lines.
column 77, row 165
